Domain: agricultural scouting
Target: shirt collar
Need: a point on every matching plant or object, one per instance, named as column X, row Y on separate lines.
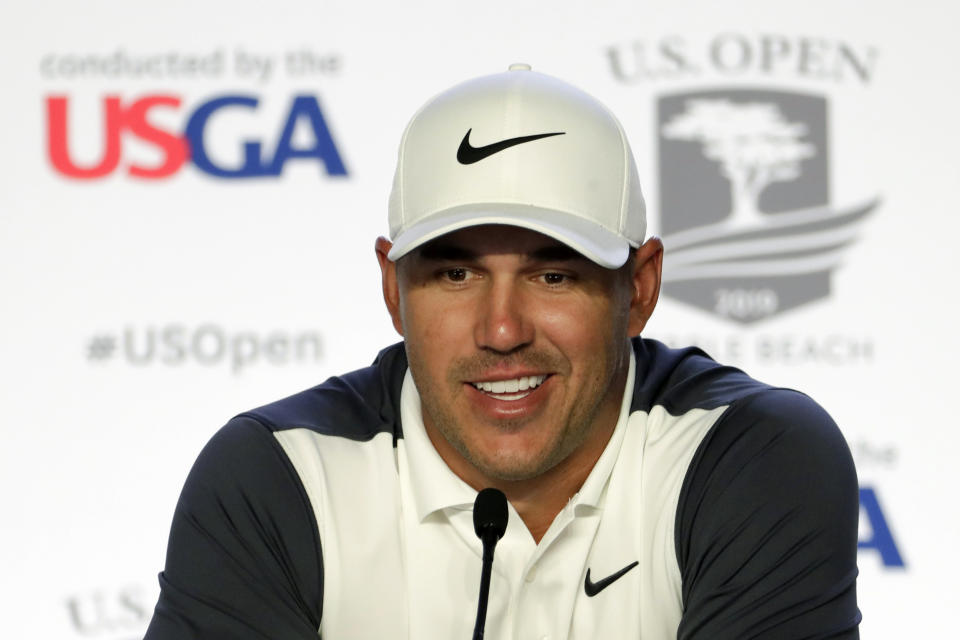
column 435, row 486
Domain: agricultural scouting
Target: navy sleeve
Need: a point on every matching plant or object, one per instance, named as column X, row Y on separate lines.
column 766, row 530
column 243, row 560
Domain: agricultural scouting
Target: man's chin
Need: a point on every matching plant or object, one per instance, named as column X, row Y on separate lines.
column 510, row 468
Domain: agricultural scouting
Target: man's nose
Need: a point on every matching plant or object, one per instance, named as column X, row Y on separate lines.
column 504, row 324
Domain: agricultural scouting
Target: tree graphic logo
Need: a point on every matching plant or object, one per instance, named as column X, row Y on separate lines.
column 747, row 219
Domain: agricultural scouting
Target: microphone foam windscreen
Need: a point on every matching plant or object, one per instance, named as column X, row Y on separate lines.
column 490, row 512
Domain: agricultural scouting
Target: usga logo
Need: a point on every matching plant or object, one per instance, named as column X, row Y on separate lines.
column 131, row 117
column 747, row 219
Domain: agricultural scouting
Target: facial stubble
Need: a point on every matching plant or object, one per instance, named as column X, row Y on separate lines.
column 509, row 464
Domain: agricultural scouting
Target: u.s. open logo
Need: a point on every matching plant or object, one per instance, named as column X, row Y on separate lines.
column 747, row 218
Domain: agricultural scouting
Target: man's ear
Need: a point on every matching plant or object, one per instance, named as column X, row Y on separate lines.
column 391, row 288
column 645, row 278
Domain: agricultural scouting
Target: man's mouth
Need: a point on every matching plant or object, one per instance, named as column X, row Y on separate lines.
column 511, row 389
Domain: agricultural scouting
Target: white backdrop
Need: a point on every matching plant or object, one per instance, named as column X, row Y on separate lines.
column 140, row 313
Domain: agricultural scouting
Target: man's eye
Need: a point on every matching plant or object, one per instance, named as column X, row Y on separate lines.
column 458, row 274
column 554, row 278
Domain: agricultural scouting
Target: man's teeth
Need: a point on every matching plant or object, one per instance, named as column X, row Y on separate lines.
column 511, row 386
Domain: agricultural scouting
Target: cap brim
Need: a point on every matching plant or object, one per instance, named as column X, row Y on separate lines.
column 583, row 236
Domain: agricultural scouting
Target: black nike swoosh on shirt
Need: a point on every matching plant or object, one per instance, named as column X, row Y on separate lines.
column 593, row 588
column 468, row 154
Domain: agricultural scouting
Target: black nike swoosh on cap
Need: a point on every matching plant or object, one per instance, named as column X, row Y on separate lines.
column 468, row 154
column 593, row 588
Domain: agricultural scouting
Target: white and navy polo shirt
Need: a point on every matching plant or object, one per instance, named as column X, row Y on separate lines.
column 720, row 508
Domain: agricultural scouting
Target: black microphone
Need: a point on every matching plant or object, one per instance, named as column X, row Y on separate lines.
column 489, row 523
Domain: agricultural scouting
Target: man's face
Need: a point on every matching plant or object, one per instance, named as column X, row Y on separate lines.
column 518, row 346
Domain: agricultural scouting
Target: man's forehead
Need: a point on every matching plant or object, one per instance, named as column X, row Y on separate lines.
column 478, row 241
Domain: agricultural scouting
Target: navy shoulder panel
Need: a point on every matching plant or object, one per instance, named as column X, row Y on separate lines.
column 357, row 405
column 766, row 525
column 685, row 379
column 244, row 560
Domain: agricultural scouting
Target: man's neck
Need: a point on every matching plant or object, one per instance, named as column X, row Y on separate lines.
column 539, row 500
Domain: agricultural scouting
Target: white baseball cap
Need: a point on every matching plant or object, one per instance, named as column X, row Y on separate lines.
column 524, row 149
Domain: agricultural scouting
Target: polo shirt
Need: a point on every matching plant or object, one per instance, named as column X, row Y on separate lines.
column 732, row 506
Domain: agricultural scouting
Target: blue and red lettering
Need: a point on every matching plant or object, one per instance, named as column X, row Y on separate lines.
column 178, row 148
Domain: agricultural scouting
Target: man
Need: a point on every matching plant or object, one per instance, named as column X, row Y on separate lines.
column 653, row 493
